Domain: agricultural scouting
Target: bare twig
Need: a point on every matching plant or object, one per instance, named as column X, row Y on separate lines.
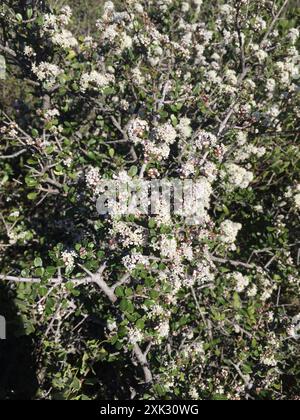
column 20, row 152
column 234, row 263
column 109, row 292
column 122, row 281
column 142, row 359
column 273, row 23
column 246, row 70
column 20, row 279
column 8, row 51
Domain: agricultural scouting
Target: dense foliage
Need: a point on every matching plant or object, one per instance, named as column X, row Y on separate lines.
column 151, row 307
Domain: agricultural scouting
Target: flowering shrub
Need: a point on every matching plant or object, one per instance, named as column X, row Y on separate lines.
column 206, row 308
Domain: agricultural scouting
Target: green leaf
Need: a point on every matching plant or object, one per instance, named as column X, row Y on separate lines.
column 31, row 182
column 32, row 196
column 128, row 292
column 119, row 292
column 34, row 132
column 39, row 272
column 133, row 171
column 29, row 13
column 38, row 262
column 152, row 223
column 160, row 390
column 140, row 324
column 174, row 120
column 19, row 17
column 50, row 271
column 71, row 55
column 237, row 303
column 124, row 305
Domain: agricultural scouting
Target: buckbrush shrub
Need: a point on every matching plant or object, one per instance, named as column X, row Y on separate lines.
column 206, row 91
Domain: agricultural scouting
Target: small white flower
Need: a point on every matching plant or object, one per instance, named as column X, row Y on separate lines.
column 111, row 325
column 242, row 282
column 135, row 336
column 29, row 51
column 68, row 258
column 166, row 133
column 64, row 39
column 163, row 329
column 46, row 73
column 297, row 200
column 93, row 177
column 185, row 7
column 229, row 232
column 95, row 81
column 184, row 128
column 237, row 176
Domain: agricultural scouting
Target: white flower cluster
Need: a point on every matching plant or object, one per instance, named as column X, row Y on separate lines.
column 125, row 42
column 136, row 129
column 210, row 170
column 137, row 77
column 294, row 194
column 51, row 113
column 157, row 151
column 270, row 86
column 184, row 128
column 157, row 311
column 288, row 70
column 157, row 145
column 268, row 287
column 53, row 22
column 113, row 26
column 163, row 216
column 47, row 73
column 165, row 133
column 252, row 291
column 111, row 325
column 237, row 176
column 241, row 282
column 188, row 168
column 10, row 130
column 168, row 247
column 68, row 258
column 54, row 26
column 95, row 81
column 229, row 232
column 29, row 51
column 135, row 336
column 204, row 273
column 163, row 330
column 64, row 39
column 187, row 251
column 247, row 151
column 131, row 261
column 294, row 34
column 270, row 356
column 294, row 330
column 93, row 178
column 18, row 232
column 205, row 140
column 129, row 236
